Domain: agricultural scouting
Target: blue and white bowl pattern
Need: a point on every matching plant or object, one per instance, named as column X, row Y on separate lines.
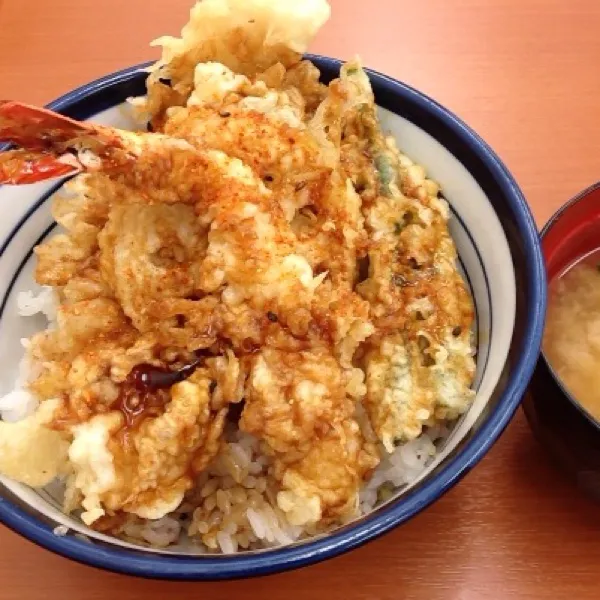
column 499, row 255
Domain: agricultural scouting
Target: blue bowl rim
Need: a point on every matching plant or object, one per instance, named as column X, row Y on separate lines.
column 280, row 559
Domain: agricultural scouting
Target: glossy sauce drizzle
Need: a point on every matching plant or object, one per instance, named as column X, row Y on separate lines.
column 145, row 390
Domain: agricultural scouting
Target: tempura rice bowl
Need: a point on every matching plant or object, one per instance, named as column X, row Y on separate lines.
column 500, row 256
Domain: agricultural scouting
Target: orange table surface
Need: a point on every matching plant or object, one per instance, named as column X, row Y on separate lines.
column 525, row 74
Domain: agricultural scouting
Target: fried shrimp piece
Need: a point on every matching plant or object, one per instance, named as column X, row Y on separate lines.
column 150, row 257
column 264, row 128
column 294, row 397
column 251, row 256
column 277, row 152
column 147, row 168
column 247, row 36
column 321, row 206
column 146, row 471
column 301, row 405
column 137, row 167
column 419, row 363
column 324, row 484
column 249, row 239
column 84, row 357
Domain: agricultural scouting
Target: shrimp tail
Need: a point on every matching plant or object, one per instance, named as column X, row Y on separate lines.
column 20, row 167
column 49, row 142
column 33, row 127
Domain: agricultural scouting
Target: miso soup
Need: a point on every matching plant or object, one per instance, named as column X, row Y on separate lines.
column 572, row 337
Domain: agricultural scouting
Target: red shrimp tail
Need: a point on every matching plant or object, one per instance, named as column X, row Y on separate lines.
column 32, row 127
column 20, row 167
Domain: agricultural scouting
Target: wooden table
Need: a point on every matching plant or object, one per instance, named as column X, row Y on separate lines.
column 525, row 75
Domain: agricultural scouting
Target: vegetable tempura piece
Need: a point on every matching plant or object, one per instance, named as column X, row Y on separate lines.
column 30, row 452
column 248, row 36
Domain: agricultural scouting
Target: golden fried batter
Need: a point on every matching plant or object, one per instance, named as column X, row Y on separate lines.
column 151, row 257
column 149, row 471
column 324, row 484
column 302, row 404
column 262, row 243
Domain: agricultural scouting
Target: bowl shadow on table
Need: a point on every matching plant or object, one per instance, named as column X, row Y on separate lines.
column 535, row 471
column 543, row 518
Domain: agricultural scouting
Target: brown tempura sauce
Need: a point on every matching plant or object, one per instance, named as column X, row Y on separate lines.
column 145, row 391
